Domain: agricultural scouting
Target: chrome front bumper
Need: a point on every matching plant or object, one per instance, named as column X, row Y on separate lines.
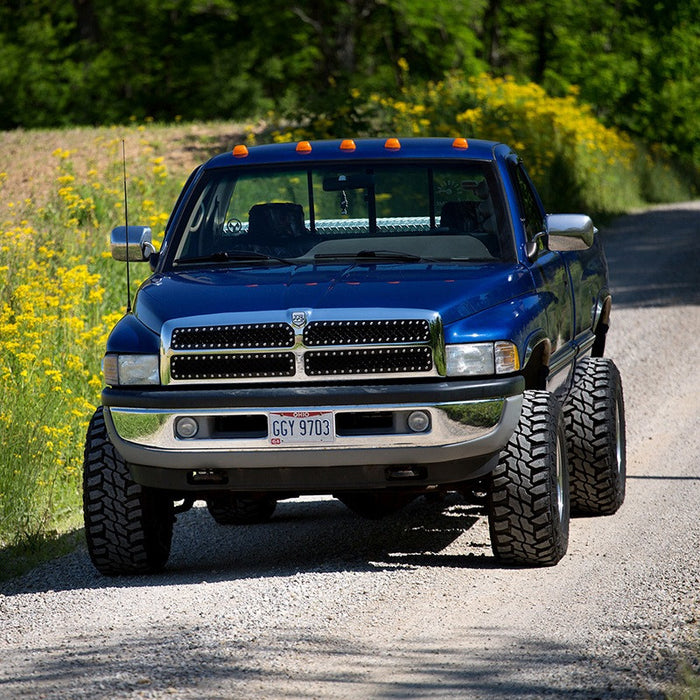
column 458, row 430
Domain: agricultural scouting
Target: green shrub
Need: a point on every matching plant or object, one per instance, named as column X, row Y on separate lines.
column 577, row 163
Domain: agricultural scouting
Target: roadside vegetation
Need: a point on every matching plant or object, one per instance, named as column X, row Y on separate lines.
column 687, row 686
column 577, row 163
column 59, row 296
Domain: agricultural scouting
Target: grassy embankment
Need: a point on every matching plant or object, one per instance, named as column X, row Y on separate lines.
column 60, row 292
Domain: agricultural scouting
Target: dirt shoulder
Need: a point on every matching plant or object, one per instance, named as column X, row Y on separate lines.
column 29, row 164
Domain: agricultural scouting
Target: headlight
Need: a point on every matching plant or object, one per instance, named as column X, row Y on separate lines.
column 131, row 369
column 471, row 359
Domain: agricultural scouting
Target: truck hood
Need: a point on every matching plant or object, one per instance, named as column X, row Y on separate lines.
column 455, row 291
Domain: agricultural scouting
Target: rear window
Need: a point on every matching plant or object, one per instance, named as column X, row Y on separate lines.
column 433, row 211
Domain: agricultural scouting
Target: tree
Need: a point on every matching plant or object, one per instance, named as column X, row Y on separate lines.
column 104, row 61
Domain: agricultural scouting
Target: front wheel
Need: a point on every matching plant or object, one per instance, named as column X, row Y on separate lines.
column 528, row 492
column 128, row 527
column 595, row 433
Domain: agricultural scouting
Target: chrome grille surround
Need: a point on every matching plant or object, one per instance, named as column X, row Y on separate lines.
column 335, row 344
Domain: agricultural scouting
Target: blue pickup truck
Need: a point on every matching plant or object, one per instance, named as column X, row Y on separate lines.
column 373, row 319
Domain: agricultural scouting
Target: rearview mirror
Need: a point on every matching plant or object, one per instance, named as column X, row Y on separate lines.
column 570, row 232
column 354, row 181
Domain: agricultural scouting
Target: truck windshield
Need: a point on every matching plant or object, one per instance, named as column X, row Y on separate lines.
column 367, row 212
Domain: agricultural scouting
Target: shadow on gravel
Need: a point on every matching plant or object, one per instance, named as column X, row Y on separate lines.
column 664, row 477
column 303, row 536
column 296, row 663
column 653, row 258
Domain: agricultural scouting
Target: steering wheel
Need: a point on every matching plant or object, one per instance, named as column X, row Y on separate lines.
column 233, row 227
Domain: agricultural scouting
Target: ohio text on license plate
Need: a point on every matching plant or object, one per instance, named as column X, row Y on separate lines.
column 301, row 427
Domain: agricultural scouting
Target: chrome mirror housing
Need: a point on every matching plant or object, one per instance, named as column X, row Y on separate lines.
column 140, row 247
column 570, row 231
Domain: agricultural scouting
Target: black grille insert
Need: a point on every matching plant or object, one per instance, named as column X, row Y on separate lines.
column 249, row 335
column 268, row 364
column 368, row 361
column 366, row 332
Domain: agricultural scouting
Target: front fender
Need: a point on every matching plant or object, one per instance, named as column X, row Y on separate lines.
column 601, row 309
column 522, row 320
column 130, row 336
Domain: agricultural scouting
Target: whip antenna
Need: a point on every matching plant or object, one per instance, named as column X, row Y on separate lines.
column 126, row 223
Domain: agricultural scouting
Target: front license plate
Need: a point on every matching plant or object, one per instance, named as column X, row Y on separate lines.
column 301, row 427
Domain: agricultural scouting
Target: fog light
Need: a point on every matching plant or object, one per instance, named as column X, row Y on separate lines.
column 186, row 428
column 418, row 421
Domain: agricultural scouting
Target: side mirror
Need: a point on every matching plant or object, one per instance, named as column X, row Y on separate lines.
column 140, row 246
column 570, row 232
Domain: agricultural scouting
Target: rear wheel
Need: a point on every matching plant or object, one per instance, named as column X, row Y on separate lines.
column 595, row 433
column 528, row 493
column 228, row 509
column 127, row 526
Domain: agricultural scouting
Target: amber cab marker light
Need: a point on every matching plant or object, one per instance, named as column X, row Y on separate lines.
column 240, row 151
column 347, row 145
column 460, row 143
column 303, row 147
column 392, row 144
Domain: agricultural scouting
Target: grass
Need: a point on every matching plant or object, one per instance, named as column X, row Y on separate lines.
column 16, row 560
column 60, row 294
column 688, row 685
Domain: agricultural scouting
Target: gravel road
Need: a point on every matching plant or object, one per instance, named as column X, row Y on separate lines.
column 320, row 603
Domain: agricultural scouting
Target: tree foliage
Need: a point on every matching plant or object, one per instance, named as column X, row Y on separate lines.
column 106, row 61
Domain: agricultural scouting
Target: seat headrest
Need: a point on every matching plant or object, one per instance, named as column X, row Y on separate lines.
column 275, row 221
column 459, row 216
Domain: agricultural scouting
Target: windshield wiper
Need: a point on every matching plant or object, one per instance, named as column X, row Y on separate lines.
column 374, row 256
column 242, row 256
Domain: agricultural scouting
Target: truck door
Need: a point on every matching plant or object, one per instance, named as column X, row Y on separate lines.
column 588, row 271
column 551, row 279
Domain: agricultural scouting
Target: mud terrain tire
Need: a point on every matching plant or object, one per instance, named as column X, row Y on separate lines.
column 595, row 433
column 528, row 494
column 127, row 526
